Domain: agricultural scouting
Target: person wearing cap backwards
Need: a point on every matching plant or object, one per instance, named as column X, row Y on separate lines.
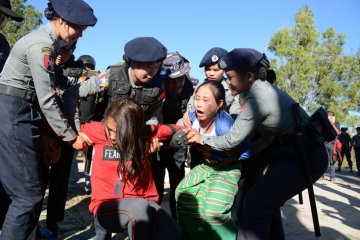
column 27, row 90
column 356, row 145
column 269, row 111
column 138, row 78
column 345, row 140
column 6, row 12
column 178, row 91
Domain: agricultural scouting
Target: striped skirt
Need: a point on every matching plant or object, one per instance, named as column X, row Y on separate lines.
column 204, row 200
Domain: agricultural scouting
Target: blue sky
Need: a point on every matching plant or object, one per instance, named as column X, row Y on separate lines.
column 192, row 27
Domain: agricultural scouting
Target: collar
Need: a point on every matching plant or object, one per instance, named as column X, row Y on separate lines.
column 51, row 31
column 131, row 80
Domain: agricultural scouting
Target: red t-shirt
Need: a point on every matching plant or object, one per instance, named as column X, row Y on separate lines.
column 104, row 173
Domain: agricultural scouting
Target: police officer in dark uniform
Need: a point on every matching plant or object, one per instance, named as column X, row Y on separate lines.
column 356, row 145
column 27, row 90
column 178, row 89
column 214, row 73
column 5, row 12
column 345, row 140
column 91, row 109
column 89, row 106
column 268, row 111
column 138, row 78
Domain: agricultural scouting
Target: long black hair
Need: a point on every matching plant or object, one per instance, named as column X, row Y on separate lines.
column 131, row 135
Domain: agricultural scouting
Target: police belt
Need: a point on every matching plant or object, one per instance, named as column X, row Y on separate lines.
column 24, row 94
column 286, row 139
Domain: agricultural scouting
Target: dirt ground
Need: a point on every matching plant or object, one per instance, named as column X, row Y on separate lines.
column 338, row 206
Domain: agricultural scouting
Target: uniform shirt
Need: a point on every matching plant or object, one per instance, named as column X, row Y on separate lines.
column 266, row 109
column 31, row 66
column 4, row 51
column 174, row 107
column 138, row 93
column 153, row 111
column 235, row 106
column 356, row 141
column 104, row 173
column 345, row 140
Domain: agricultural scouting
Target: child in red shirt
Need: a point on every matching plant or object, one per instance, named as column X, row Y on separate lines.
column 124, row 195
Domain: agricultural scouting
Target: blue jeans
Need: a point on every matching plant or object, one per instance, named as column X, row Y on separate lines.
column 22, row 168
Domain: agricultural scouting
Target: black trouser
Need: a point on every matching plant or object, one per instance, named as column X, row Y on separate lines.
column 21, row 167
column 357, row 158
column 346, row 152
column 142, row 219
column 58, row 186
column 176, row 174
column 5, row 202
column 260, row 216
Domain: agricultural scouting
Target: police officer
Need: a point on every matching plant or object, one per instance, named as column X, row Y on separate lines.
column 214, row 73
column 6, row 12
column 178, row 89
column 345, row 140
column 269, row 111
column 356, row 145
column 27, row 91
column 67, row 71
column 91, row 109
column 138, row 78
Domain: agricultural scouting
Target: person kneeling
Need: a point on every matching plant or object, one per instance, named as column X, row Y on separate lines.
column 124, row 196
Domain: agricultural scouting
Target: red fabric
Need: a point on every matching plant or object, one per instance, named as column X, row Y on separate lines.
column 337, row 150
column 104, row 173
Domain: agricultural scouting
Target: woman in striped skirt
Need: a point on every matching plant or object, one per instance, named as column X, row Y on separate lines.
column 205, row 196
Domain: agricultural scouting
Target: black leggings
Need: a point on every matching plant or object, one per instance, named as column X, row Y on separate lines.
column 142, row 219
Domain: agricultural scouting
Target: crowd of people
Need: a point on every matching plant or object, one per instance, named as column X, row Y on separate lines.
column 246, row 141
column 341, row 147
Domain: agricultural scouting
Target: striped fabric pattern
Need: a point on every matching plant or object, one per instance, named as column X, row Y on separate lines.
column 204, row 200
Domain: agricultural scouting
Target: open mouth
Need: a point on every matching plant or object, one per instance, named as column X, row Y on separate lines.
column 199, row 113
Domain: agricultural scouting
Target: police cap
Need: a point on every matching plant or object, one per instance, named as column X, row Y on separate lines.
column 75, row 11
column 212, row 56
column 144, row 49
column 357, row 128
column 87, row 60
column 343, row 129
column 241, row 59
column 175, row 65
column 5, row 8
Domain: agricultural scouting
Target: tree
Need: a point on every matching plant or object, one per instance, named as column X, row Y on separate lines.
column 13, row 31
column 314, row 70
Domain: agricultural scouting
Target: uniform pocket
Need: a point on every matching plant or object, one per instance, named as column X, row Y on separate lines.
column 24, row 112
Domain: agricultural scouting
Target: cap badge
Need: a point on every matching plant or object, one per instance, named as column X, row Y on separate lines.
column 214, row 58
column 222, row 64
column 176, row 67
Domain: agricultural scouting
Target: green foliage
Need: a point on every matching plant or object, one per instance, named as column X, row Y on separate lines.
column 13, row 31
column 312, row 68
